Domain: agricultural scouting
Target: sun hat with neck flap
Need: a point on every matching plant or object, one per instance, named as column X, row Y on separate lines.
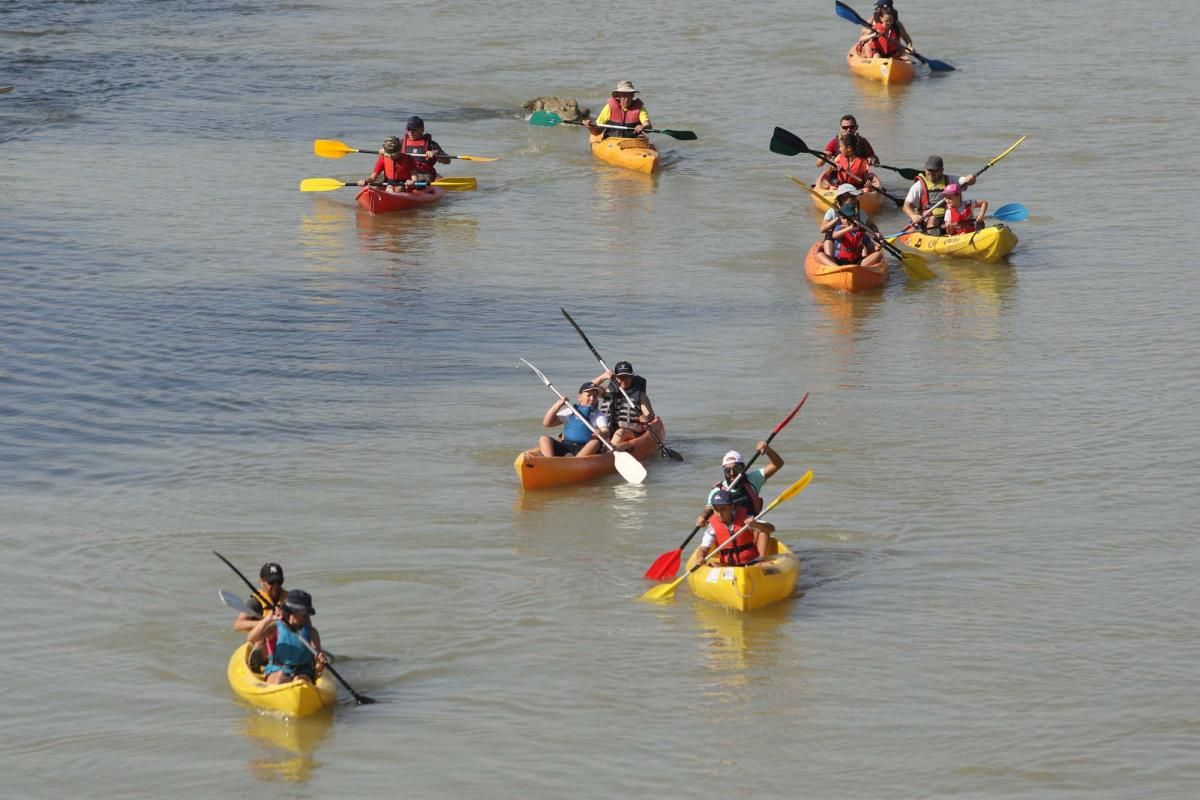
column 624, row 87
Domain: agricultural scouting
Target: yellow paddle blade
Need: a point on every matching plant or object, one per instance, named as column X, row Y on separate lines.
column 457, row 184
column 1009, row 150
column 812, row 191
column 664, row 591
column 321, row 184
column 479, row 158
column 916, row 268
column 331, row 148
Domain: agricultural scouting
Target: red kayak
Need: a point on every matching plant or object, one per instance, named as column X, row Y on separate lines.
column 378, row 201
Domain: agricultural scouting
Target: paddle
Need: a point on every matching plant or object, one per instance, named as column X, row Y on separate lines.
column 666, row 451
column 914, row 265
column 229, row 600
column 332, row 148
column 1010, row 212
column 453, row 184
column 629, row 467
column 666, row 590
column 786, row 143
column 548, row 119
column 667, row 564
column 6, row 89
column 850, row 15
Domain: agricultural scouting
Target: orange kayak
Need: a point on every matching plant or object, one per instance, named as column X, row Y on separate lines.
column 378, row 201
column 635, row 154
column 884, row 70
column 870, row 202
column 847, row 277
column 537, row 471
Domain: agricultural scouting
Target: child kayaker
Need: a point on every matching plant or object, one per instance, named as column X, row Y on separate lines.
column 393, row 169
column 883, row 40
column 850, row 167
column 846, row 240
column 576, row 439
column 962, row 216
column 901, row 31
column 923, row 204
column 726, row 521
column 289, row 626
column 624, row 422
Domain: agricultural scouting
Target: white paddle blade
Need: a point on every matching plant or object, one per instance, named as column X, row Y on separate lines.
column 233, row 601
column 629, row 467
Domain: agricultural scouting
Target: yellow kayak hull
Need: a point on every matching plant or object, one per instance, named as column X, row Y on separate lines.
column 298, row 698
column 883, row 70
column 989, row 245
column 638, row 155
column 746, row 588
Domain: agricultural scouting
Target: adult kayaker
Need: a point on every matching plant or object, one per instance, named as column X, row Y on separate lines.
column 747, row 493
column 625, row 422
column 962, row 216
column 923, row 203
column 846, row 241
column 725, row 522
column 901, row 31
column 422, row 151
column 270, row 594
column 850, row 167
column 849, row 125
column 623, row 108
column 286, row 626
column 393, row 169
column 883, row 40
column 576, row 439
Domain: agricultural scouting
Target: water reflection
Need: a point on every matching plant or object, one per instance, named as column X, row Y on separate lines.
column 847, row 312
column 322, row 235
column 619, row 188
column 980, row 293
column 286, row 746
column 741, row 647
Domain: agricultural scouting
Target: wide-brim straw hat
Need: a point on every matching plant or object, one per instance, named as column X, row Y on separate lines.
column 624, row 87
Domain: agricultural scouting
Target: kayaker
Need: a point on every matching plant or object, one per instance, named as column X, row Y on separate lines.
column 286, row 626
column 747, row 493
column 393, row 169
column 901, row 31
column 883, row 40
column 726, row 521
column 576, row 439
column 846, row 240
column 962, row 216
column 270, row 593
column 850, row 167
column 422, row 151
column 849, row 125
column 625, row 422
column 923, row 203
column 623, row 108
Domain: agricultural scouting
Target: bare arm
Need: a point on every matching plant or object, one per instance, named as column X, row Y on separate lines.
column 551, row 418
column 776, row 461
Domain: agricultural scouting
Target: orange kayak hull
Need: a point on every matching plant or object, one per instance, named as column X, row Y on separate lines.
column 537, row 471
column 883, row 70
column 380, row 202
column 639, row 155
column 846, row 277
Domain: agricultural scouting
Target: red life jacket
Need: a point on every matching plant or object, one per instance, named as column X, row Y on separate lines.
column 853, row 172
column 422, row 169
column 742, row 550
column 961, row 219
column 619, row 116
column 848, row 248
column 887, row 43
column 397, row 170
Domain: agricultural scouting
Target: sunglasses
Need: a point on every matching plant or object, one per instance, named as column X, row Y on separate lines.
column 849, row 127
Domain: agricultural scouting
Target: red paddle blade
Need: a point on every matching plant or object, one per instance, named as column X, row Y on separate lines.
column 665, row 566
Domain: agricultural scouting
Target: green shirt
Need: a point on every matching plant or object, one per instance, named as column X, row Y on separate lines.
column 756, row 478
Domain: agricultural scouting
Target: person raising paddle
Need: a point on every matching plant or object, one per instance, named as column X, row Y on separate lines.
column 923, row 203
column 422, row 151
column 626, row 421
column 849, row 127
column 846, row 240
column 289, row 627
column 962, row 216
column 747, row 546
column 901, row 31
column 577, row 439
column 882, row 41
column 746, row 492
column 850, row 167
column 625, row 109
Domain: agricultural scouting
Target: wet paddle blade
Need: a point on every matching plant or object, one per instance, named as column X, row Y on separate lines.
column 629, row 467
column 665, row 567
column 683, row 136
column 849, row 14
column 664, row 591
column 939, row 66
column 321, row 184
column 233, row 601
column 331, row 148
column 545, row 119
column 671, row 454
column 1010, row 212
column 478, row 158
column 916, row 268
column 786, row 143
column 458, row 184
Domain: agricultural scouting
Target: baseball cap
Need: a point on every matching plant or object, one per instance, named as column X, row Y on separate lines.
column 623, row 368
column 732, row 457
column 588, row 386
column 721, row 497
column 934, row 162
column 414, row 122
column 271, row 572
column 847, row 188
column 952, row 188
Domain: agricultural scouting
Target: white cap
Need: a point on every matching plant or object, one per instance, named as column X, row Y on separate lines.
column 847, row 188
column 732, row 457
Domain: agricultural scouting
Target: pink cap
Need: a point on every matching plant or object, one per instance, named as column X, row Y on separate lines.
column 952, row 188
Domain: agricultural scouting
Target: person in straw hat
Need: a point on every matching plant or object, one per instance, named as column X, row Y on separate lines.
column 625, row 109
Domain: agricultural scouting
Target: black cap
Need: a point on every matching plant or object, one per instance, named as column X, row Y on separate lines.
column 271, row 572
column 623, row 368
column 934, row 162
column 588, row 386
column 299, row 601
column 883, row 3
column 414, row 122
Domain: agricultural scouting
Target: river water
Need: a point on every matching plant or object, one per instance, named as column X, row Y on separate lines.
column 999, row 547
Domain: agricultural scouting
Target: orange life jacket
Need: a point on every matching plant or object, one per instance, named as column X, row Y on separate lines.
column 742, row 551
column 961, row 219
column 619, row 116
column 854, row 171
column 397, row 170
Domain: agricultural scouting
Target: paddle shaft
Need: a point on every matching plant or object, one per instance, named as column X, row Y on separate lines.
column 886, row 245
column 666, row 451
column 825, row 157
column 361, row 699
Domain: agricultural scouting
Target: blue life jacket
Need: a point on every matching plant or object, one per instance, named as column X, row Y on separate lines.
column 291, row 656
column 575, row 431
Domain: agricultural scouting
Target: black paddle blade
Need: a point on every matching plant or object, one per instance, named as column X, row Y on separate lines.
column 671, row 454
column 940, row 66
column 908, row 174
column 786, row 143
column 683, row 136
column 363, row 700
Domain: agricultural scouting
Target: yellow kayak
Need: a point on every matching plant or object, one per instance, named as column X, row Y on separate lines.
column 989, row 244
column 297, row 698
column 749, row 587
column 635, row 154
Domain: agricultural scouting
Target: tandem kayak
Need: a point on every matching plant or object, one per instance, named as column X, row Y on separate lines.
column 870, row 202
column 884, row 70
column 537, row 471
column 297, row 698
column 378, row 201
column 845, row 277
column 638, row 154
column 987, row 244
column 747, row 587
